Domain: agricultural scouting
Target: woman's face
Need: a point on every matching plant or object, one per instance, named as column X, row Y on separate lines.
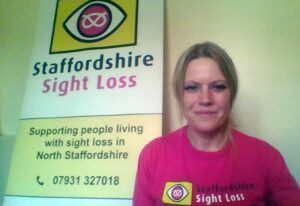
column 206, row 97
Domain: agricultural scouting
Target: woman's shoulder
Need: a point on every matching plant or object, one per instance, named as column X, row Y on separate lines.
column 164, row 142
column 253, row 144
column 246, row 138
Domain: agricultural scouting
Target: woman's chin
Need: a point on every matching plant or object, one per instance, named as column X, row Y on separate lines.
column 205, row 128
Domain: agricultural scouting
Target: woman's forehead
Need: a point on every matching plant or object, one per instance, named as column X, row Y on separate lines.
column 203, row 69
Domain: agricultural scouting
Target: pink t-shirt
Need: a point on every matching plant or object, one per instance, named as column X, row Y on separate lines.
column 247, row 172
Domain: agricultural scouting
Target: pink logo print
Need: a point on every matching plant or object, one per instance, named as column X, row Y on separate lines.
column 177, row 193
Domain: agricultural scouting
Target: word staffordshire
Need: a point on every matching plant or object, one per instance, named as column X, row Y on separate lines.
column 67, row 65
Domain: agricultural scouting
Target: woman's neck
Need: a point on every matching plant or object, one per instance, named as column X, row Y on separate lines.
column 207, row 141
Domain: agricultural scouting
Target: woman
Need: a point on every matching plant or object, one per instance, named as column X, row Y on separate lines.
column 208, row 162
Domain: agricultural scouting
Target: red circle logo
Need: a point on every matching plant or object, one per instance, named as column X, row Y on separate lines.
column 94, row 20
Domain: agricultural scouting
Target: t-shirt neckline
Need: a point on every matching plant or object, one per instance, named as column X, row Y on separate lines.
column 197, row 153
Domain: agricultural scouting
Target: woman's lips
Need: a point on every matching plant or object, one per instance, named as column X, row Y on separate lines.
column 206, row 113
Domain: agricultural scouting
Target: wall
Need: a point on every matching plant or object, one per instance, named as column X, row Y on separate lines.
column 261, row 36
column 17, row 20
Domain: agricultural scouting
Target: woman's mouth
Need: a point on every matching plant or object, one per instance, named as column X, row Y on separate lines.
column 206, row 113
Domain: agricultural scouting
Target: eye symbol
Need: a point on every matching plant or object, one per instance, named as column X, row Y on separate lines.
column 177, row 193
column 94, row 21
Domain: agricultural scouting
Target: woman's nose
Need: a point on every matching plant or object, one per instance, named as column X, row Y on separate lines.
column 205, row 97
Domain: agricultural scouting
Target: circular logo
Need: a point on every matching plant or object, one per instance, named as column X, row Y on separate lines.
column 177, row 193
column 94, row 20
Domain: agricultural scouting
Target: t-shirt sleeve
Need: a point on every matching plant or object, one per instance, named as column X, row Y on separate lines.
column 283, row 188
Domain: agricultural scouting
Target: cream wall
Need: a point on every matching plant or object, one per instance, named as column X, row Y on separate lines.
column 261, row 36
column 17, row 25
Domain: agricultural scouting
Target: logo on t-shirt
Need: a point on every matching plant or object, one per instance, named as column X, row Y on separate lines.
column 178, row 193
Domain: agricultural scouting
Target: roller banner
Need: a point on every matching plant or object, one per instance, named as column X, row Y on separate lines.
column 93, row 100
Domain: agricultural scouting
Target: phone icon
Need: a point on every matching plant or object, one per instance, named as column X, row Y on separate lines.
column 39, row 180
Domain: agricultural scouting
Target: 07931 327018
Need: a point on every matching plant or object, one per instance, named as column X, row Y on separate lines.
column 86, row 180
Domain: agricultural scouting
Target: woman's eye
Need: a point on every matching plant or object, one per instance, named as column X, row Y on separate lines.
column 219, row 87
column 191, row 88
